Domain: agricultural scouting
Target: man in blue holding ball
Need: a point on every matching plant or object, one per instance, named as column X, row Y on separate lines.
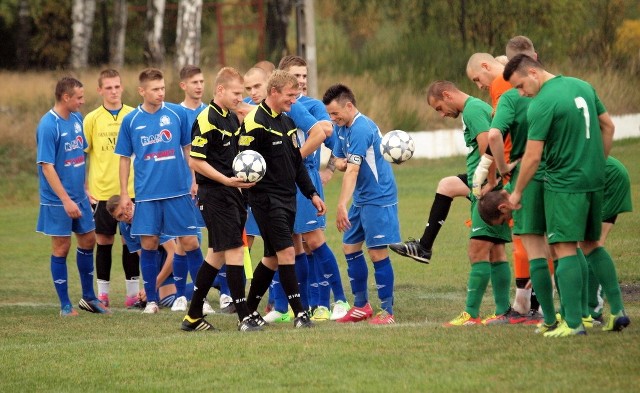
column 373, row 216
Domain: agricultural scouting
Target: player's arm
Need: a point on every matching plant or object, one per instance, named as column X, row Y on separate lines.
column 124, row 173
column 346, row 191
column 316, row 136
column 496, row 144
column 607, row 128
column 70, row 207
column 528, row 168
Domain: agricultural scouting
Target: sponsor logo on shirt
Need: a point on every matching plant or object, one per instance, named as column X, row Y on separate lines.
column 160, row 155
column 77, row 143
column 77, row 127
column 164, row 120
column 163, row 136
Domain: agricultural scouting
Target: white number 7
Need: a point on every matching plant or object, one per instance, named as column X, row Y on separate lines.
column 582, row 104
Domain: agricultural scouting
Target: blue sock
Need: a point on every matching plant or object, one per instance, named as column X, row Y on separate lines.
column 194, row 257
column 193, row 268
column 221, row 282
column 314, row 291
column 167, row 301
column 280, row 302
column 188, row 291
column 330, row 271
column 84, row 260
column 302, row 273
column 59, row 276
column 149, row 269
column 358, row 275
column 180, row 271
column 384, row 282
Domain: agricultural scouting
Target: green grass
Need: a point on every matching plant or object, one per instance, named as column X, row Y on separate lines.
column 132, row 352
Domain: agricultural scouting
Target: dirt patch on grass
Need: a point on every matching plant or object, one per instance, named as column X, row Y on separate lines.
column 630, row 292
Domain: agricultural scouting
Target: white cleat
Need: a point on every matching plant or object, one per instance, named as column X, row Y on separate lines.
column 180, row 304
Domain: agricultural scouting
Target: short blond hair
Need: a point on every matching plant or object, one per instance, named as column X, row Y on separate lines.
column 280, row 79
column 226, row 75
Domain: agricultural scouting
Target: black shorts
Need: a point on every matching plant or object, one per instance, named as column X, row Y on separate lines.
column 105, row 223
column 224, row 213
column 275, row 216
column 465, row 179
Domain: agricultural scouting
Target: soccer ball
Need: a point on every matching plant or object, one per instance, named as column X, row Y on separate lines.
column 250, row 166
column 397, row 146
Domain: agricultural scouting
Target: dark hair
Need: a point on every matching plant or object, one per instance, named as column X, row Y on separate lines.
column 291, row 61
column 66, row 85
column 340, row 93
column 112, row 203
column 108, row 73
column 188, row 71
column 519, row 63
column 437, row 89
column 488, row 206
column 150, row 74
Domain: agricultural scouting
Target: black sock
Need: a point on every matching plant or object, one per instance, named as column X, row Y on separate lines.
column 130, row 263
column 437, row 215
column 103, row 261
column 534, row 301
column 204, row 279
column 262, row 277
column 235, row 279
column 289, row 283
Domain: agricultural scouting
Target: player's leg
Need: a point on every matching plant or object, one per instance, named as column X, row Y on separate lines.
column 131, row 267
column 146, row 223
column 301, row 268
column 105, row 234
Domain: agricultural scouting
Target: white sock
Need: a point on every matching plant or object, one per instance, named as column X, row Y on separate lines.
column 522, row 302
column 103, row 287
column 132, row 286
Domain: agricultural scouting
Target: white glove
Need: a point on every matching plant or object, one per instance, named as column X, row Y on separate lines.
column 480, row 175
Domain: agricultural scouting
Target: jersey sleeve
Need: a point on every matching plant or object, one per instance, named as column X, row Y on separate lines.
column 477, row 121
column 301, row 117
column 46, row 137
column 338, row 144
column 505, row 114
column 123, row 143
column 88, row 125
column 199, row 143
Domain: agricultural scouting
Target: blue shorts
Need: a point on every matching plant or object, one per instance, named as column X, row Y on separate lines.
column 377, row 226
column 307, row 219
column 174, row 217
column 251, row 226
column 54, row 221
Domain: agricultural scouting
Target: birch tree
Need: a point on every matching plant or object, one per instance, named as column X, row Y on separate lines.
column 118, row 33
column 154, row 47
column 82, row 16
column 188, row 34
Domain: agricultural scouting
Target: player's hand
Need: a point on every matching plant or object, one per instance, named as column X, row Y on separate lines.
column 326, row 175
column 72, row 209
column 92, row 199
column 125, row 203
column 142, row 296
column 514, row 200
column 342, row 219
column 238, row 182
column 319, row 205
column 341, row 164
column 194, row 190
column 510, row 167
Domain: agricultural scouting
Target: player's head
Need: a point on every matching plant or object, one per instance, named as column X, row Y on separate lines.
column 229, row 88
column 117, row 212
column 110, row 87
column 255, row 84
column 495, row 208
column 69, row 93
column 441, row 96
column 502, row 59
column 282, row 90
column 520, row 44
column 341, row 104
column 525, row 74
column 483, row 69
column 266, row 66
column 192, row 82
column 297, row 66
column 151, row 86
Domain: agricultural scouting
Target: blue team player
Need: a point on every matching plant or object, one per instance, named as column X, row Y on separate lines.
column 158, row 135
column 64, row 204
column 373, row 216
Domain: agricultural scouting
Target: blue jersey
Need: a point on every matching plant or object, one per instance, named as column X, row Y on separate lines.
column 133, row 241
column 376, row 184
column 192, row 114
column 61, row 143
column 160, row 168
column 248, row 100
column 318, row 111
column 304, row 121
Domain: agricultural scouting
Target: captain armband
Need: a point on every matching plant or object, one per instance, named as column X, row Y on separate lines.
column 354, row 159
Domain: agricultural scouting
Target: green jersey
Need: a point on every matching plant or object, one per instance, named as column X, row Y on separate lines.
column 476, row 119
column 564, row 115
column 617, row 191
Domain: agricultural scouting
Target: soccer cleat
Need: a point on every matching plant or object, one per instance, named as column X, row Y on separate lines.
column 206, row 308
column 94, row 306
column 617, row 322
column 321, row 314
column 357, row 314
column 248, row 324
column 510, row 317
column 340, row 309
column 412, row 249
column 104, row 298
column 68, row 311
column 195, row 325
column 382, row 318
column 544, row 328
column 533, row 318
column 268, row 308
column 591, row 322
column 226, row 305
column 563, row 330
column 277, row 316
column 151, row 308
column 134, row 302
column 464, row 319
column 302, row 321
column 180, row 304
column 258, row 319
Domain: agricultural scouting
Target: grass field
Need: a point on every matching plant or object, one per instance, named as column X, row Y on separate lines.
column 128, row 351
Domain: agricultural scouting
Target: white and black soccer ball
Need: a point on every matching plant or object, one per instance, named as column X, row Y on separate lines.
column 250, row 166
column 397, row 146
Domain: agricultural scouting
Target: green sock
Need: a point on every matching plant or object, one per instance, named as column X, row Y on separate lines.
column 541, row 282
column 605, row 271
column 478, row 281
column 501, row 284
column 569, row 276
column 594, row 286
column 584, row 267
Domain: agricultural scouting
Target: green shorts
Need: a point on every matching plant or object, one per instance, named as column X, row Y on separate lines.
column 479, row 229
column 617, row 198
column 573, row 217
column 529, row 219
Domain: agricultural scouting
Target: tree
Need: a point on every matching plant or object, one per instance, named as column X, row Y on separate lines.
column 154, row 47
column 118, row 33
column 278, row 15
column 188, row 29
column 23, row 34
column 82, row 16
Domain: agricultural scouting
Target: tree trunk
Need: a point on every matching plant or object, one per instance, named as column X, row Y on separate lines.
column 118, row 33
column 154, row 50
column 82, row 16
column 23, row 35
column 188, row 33
column 278, row 15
